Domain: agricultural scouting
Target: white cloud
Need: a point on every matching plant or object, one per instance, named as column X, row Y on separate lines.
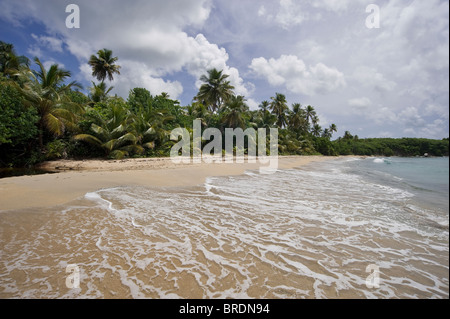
column 331, row 5
column 362, row 102
column 252, row 104
column 433, row 109
column 395, row 77
column 383, row 114
column 51, row 43
column 292, row 72
column 370, row 78
column 135, row 74
column 47, row 64
column 147, row 33
column 262, row 11
column 291, row 13
column 201, row 55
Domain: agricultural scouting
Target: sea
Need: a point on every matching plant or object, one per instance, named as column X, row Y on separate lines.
column 370, row 228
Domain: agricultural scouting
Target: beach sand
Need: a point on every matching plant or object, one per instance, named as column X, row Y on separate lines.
column 209, row 241
column 76, row 178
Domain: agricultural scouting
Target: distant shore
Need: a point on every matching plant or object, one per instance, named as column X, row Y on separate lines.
column 76, row 178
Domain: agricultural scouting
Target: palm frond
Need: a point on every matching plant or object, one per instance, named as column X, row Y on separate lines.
column 88, row 139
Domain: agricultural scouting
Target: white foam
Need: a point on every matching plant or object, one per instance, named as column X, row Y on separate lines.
column 325, row 226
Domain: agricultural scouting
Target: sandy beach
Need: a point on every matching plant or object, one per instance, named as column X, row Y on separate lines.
column 303, row 233
column 76, row 178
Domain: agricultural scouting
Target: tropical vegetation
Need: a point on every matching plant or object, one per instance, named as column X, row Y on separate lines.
column 44, row 115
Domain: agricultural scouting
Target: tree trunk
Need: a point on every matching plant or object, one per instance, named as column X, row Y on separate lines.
column 41, row 135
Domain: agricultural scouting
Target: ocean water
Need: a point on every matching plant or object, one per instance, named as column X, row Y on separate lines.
column 346, row 228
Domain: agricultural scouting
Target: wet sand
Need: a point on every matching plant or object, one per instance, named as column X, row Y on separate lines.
column 76, row 178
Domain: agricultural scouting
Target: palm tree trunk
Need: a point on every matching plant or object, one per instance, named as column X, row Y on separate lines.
column 41, row 135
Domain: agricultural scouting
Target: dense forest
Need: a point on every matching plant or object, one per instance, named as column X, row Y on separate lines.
column 45, row 116
column 352, row 145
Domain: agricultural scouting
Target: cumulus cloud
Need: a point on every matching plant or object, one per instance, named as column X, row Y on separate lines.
column 370, row 77
column 53, row 44
column 291, row 13
column 201, row 55
column 148, row 38
column 292, row 72
column 360, row 103
column 321, row 53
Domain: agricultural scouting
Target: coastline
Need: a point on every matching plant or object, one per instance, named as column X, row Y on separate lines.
column 76, row 178
column 220, row 239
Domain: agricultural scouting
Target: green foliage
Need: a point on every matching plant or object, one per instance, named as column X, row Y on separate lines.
column 45, row 91
column 139, row 100
column 324, row 146
column 111, row 132
column 215, row 91
column 349, row 145
column 56, row 149
column 10, row 62
column 43, row 118
column 17, row 122
column 77, row 97
column 104, row 65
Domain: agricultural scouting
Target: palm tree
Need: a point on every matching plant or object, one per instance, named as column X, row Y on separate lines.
column 297, row 119
column 10, row 62
column 104, row 65
column 310, row 114
column 235, row 108
column 264, row 106
column 326, row 133
column 216, row 89
column 333, row 128
column 197, row 111
column 112, row 134
column 316, row 130
column 348, row 135
column 149, row 128
column 279, row 108
column 99, row 93
column 165, row 95
column 45, row 91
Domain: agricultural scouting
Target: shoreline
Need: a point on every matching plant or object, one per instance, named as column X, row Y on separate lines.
column 73, row 179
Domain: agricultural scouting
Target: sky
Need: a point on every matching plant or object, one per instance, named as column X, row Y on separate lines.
column 376, row 68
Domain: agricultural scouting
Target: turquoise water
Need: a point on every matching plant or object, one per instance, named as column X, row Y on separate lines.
column 426, row 178
column 309, row 232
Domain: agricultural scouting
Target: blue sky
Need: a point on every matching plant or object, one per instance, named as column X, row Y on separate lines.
column 387, row 81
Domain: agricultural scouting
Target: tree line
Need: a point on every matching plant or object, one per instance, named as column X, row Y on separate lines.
column 45, row 116
column 352, row 145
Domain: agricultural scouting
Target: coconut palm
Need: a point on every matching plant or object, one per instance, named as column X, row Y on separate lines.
column 326, row 133
column 45, row 90
column 316, row 130
column 216, row 90
column 10, row 62
column 310, row 114
column 164, row 95
column 103, row 65
column 112, row 134
column 264, row 106
column 333, row 129
column 279, row 108
column 297, row 119
column 149, row 128
column 99, row 93
column 233, row 113
column 197, row 111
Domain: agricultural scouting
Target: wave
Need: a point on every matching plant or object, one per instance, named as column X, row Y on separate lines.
column 299, row 233
column 382, row 161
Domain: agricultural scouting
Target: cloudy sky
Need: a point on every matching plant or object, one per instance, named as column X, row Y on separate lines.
column 391, row 81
